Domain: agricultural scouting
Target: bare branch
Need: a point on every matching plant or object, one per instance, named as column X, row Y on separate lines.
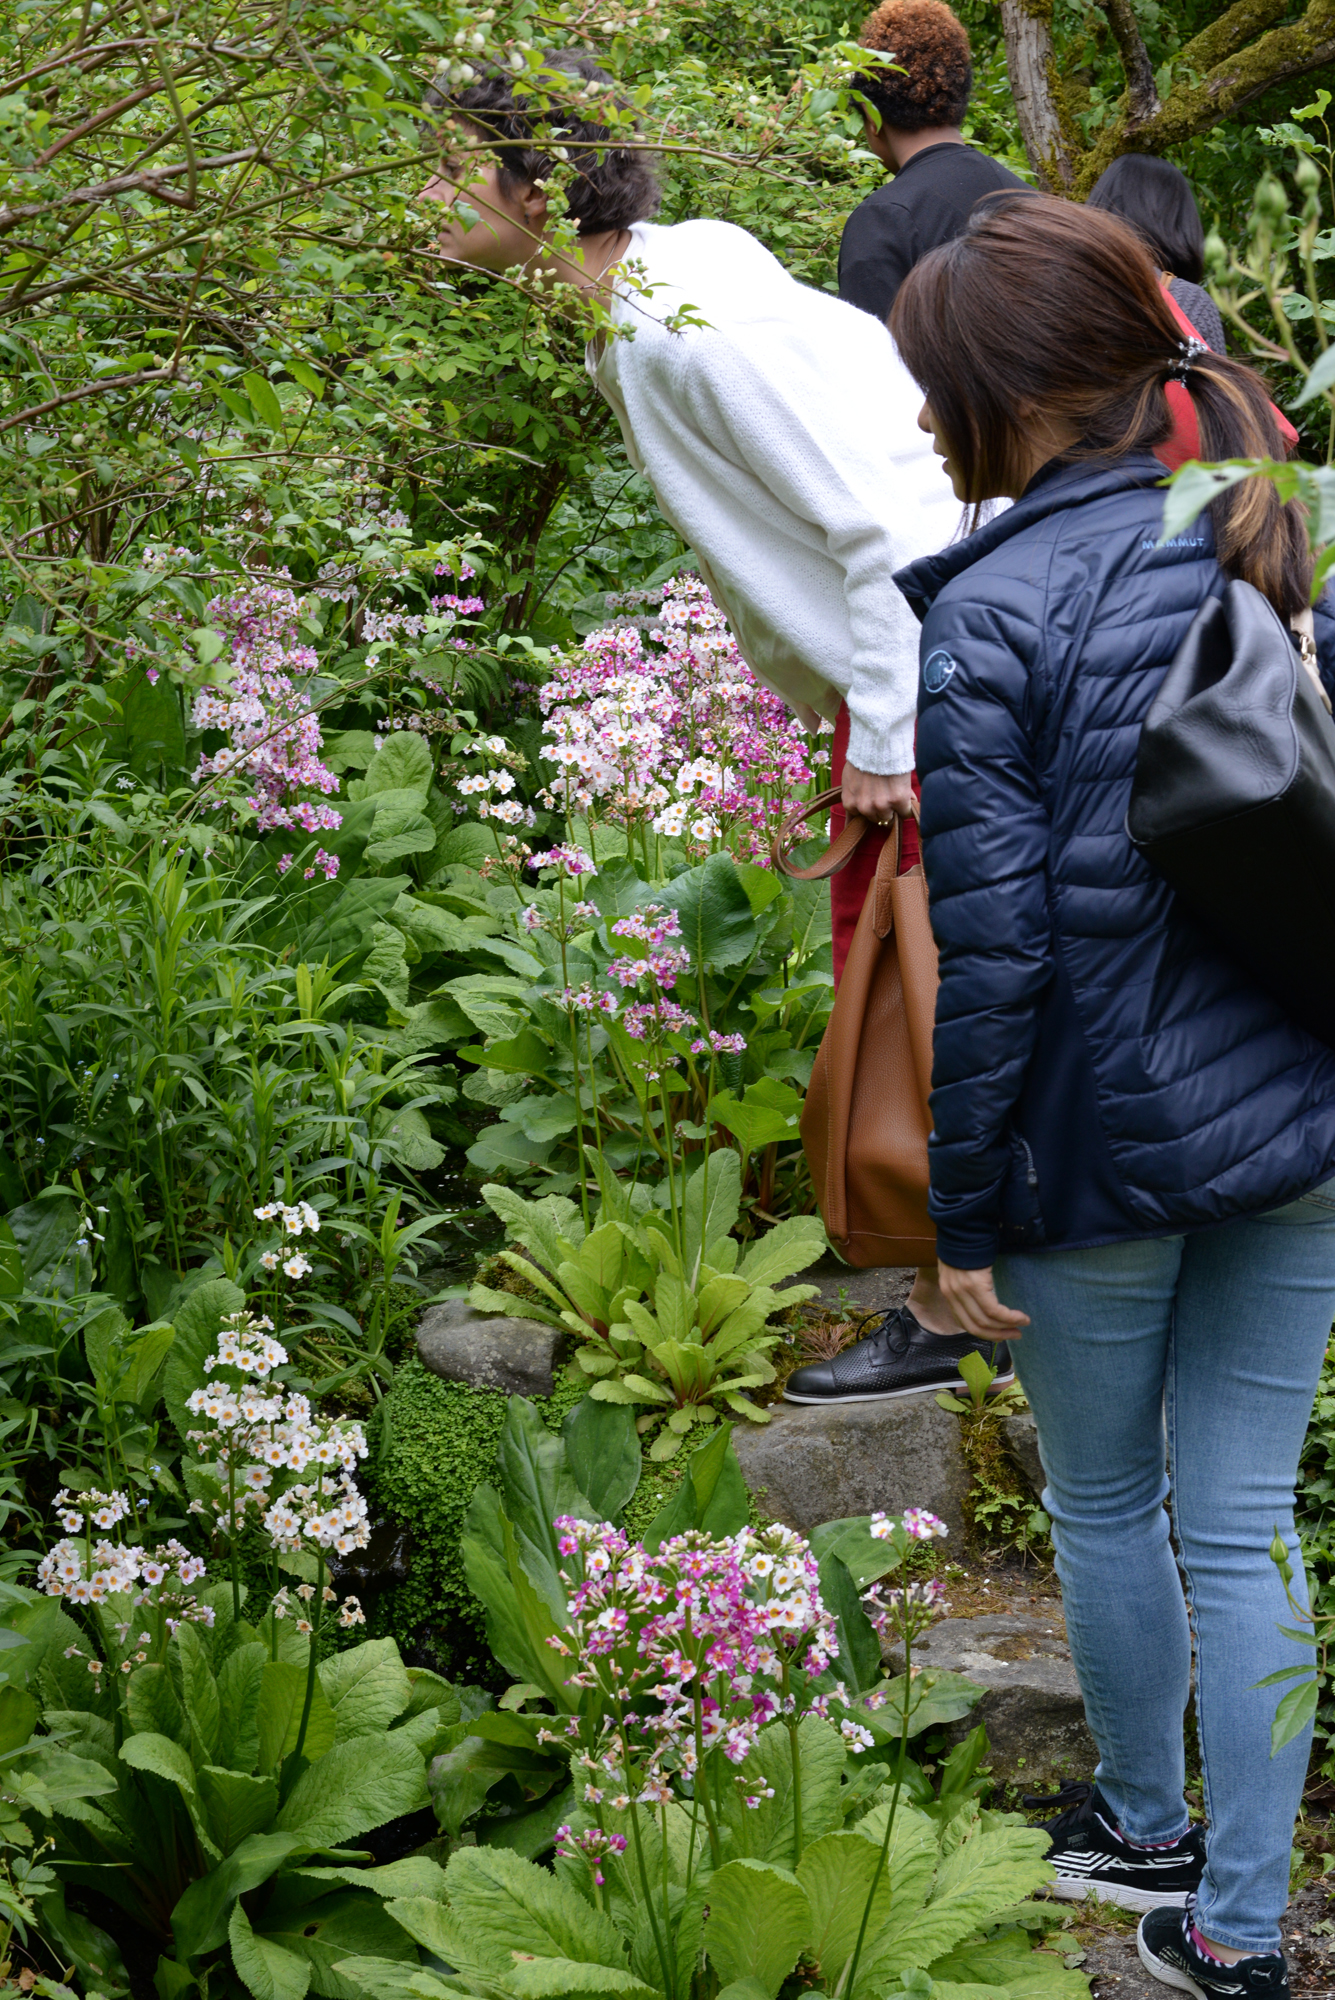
column 1141, row 92
column 148, row 182
column 102, row 388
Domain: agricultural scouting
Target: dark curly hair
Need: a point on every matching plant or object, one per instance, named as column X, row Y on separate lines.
column 932, row 84
column 612, row 186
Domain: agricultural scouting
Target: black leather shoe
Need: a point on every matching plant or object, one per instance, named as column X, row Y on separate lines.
column 897, row 1358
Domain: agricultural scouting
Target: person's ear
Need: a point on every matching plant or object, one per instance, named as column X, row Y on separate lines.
column 535, row 205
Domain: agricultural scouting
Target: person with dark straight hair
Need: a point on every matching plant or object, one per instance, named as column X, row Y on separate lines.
column 1155, row 197
column 1133, row 1144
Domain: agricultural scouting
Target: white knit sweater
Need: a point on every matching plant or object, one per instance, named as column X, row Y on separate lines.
column 781, row 441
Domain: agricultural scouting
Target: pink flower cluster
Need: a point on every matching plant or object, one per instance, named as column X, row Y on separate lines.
column 274, row 735
column 678, row 731
column 691, row 1649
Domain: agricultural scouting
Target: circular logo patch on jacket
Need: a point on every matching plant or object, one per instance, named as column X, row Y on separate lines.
column 937, row 672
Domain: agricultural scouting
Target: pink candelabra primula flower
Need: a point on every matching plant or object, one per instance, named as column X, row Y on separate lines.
column 677, row 731
column 274, row 735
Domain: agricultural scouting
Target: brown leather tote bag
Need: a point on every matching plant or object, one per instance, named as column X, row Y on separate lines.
column 866, row 1119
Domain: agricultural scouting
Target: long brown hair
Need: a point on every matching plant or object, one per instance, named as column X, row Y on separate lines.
column 1042, row 305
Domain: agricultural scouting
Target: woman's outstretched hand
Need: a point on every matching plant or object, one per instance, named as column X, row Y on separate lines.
column 877, row 798
column 972, row 1298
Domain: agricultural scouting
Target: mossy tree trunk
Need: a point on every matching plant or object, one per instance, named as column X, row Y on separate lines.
column 1247, row 50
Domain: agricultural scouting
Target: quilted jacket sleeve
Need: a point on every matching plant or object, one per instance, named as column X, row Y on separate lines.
column 985, row 845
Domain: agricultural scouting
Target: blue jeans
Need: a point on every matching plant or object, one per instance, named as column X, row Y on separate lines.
column 1218, row 1339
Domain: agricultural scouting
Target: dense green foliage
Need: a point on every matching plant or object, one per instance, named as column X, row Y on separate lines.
column 446, row 1436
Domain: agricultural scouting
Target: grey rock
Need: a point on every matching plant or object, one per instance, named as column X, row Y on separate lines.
column 866, row 1291
column 819, row 1462
column 1021, row 1436
column 1032, row 1707
column 516, row 1356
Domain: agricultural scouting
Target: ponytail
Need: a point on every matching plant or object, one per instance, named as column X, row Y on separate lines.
column 1045, row 306
column 1257, row 536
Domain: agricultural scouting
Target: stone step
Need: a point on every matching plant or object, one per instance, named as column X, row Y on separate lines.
column 817, row 1462
column 1031, row 1706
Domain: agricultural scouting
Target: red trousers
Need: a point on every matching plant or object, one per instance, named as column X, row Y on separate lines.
column 848, row 889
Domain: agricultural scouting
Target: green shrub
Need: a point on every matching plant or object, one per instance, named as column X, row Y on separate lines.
column 444, row 1442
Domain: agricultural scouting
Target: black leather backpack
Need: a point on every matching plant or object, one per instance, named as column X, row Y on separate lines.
column 1233, row 800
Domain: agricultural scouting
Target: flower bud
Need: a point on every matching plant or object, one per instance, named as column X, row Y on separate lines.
column 1270, row 199
column 1306, row 174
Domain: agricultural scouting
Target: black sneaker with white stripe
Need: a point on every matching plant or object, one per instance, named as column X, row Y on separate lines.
column 1169, row 1952
column 899, row 1357
column 1092, row 1858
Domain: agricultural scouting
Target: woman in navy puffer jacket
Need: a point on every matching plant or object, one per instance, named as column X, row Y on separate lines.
column 1133, row 1144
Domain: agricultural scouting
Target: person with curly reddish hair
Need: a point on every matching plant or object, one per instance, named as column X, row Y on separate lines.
column 919, row 107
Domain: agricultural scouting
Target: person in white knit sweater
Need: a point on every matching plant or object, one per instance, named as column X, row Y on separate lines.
column 776, row 425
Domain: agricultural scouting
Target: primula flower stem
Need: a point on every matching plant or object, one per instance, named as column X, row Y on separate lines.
column 894, row 1796
column 796, row 1755
column 669, row 1983
column 233, row 1536
column 313, row 1661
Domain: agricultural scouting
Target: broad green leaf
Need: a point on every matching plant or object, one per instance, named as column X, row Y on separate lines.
column 1009, row 1961
column 858, row 1663
column 163, row 1758
column 278, row 1716
column 1293, row 1714
column 393, row 1979
column 18, row 1717
column 1321, row 377
column 712, row 1496
column 263, row 400
column 717, row 926
column 199, row 1692
column 759, row 1923
column 240, row 1682
column 265, row 1968
column 514, row 1905
column 354, row 1788
column 197, row 1323
column 199, row 1920
column 530, row 1834
column 1194, row 486
column 402, row 761
column 985, row 1874
column 234, row 1805
column 553, row 1978
column 711, row 1206
column 766, row 1115
column 866, row 1558
column 784, row 1250
column 767, row 1831
column 837, row 1872
column 488, row 1575
column 460, row 1779
column 367, row 1687
column 334, row 1927
column 603, row 1451
column 473, row 1954
column 536, row 1485
column 745, row 1989
column 550, row 1229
